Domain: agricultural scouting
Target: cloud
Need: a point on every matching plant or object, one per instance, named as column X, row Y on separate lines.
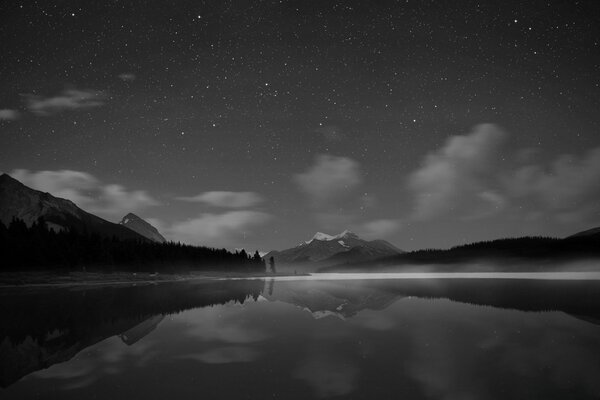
column 127, row 77
column 69, row 99
column 329, row 178
column 471, row 177
column 110, row 201
column 215, row 229
column 8, row 114
column 380, row 228
column 569, row 187
column 460, row 175
column 226, row 199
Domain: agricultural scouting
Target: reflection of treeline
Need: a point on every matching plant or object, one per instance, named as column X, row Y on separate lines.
column 73, row 312
column 42, row 327
column 37, row 247
column 540, row 249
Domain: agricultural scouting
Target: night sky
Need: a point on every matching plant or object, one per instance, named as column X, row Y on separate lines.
column 255, row 124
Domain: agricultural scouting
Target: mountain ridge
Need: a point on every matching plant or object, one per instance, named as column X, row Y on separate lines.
column 324, row 249
column 22, row 202
column 142, row 227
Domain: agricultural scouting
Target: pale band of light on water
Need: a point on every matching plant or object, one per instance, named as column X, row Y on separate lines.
column 435, row 275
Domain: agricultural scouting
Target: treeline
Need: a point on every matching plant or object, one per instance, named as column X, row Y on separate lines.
column 538, row 250
column 39, row 248
column 533, row 248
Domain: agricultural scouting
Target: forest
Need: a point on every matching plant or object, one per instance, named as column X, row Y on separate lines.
column 37, row 247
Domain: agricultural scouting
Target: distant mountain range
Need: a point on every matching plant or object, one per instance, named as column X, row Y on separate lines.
column 324, row 249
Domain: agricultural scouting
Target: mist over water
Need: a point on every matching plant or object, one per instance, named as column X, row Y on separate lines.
column 342, row 276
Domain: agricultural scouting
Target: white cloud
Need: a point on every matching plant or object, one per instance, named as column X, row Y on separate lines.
column 110, row 201
column 226, row 199
column 127, row 77
column 8, row 114
column 461, row 175
column 216, row 229
column 471, row 177
column 69, row 99
column 329, row 178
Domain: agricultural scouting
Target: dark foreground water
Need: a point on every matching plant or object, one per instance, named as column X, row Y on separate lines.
column 359, row 339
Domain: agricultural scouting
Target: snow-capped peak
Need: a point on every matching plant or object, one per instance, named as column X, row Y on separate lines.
column 326, row 238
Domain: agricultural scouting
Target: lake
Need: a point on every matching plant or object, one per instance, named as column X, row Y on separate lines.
column 419, row 337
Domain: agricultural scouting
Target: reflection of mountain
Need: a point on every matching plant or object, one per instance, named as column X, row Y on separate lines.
column 47, row 326
column 581, row 299
column 131, row 336
column 337, row 298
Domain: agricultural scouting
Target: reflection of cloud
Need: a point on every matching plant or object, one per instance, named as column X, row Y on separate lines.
column 70, row 99
column 329, row 178
column 222, row 325
column 226, row 199
column 327, row 375
column 216, row 229
column 225, row 355
column 86, row 191
column 453, row 354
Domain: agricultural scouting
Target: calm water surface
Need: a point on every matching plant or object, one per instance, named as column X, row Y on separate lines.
column 256, row 339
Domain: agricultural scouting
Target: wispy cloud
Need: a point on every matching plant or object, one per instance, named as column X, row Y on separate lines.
column 127, row 77
column 380, row 228
column 8, row 114
column 329, row 178
column 69, row 99
column 110, row 201
column 217, row 230
column 226, row 199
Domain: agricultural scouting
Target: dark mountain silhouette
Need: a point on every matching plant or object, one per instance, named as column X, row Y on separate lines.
column 587, row 233
column 21, row 202
column 142, row 227
column 324, row 249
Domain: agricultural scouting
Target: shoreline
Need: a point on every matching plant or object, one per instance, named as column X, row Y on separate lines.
column 45, row 279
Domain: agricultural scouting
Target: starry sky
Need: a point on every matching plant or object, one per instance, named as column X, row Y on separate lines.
column 257, row 123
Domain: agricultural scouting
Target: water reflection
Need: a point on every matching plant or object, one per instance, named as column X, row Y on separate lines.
column 253, row 339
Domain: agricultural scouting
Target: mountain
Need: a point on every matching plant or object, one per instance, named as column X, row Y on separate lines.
column 587, row 233
column 142, row 227
column 324, row 249
column 22, row 202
